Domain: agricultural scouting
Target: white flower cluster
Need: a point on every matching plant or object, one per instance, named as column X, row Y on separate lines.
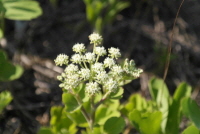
column 85, row 67
column 95, row 39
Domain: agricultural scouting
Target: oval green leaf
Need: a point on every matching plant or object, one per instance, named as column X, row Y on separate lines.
column 22, row 10
column 114, row 125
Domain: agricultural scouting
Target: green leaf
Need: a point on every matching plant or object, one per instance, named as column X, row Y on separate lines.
column 160, row 94
column 146, row 123
column 70, row 102
column 104, row 112
column 191, row 110
column 5, row 99
column 173, row 122
column 78, row 118
column 60, row 123
column 97, row 129
column 45, row 130
column 8, row 71
column 81, row 92
column 117, row 94
column 183, row 90
column 22, row 10
column 158, row 89
column 136, row 101
column 1, row 33
column 114, row 125
column 3, row 57
column 191, row 130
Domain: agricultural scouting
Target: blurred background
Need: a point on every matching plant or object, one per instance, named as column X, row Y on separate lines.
column 141, row 29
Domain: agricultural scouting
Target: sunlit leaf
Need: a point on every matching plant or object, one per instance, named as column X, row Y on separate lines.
column 5, row 99
column 22, row 10
column 70, row 102
column 146, row 123
column 191, row 130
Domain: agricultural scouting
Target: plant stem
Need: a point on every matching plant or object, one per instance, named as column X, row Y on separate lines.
column 83, row 111
column 93, row 113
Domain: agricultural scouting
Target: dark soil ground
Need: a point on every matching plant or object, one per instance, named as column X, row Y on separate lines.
column 142, row 32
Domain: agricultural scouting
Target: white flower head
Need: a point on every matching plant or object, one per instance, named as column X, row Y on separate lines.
column 76, row 58
column 71, row 69
column 61, row 59
column 84, row 73
column 59, row 77
column 130, row 69
column 111, row 85
column 101, row 51
column 92, row 88
column 136, row 73
column 95, row 38
column 114, row 52
column 73, row 81
column 79, row 48
column 97, row 67
column 101, row 76
column 89, row 57
column 109, row 62
column 117, row 70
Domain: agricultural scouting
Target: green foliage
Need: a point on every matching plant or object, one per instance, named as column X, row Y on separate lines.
column 103, row 112
column 59, row 124
column 146, row 123
column 18, row 10
column 191, row 130
column 174, row 117
column 191, row 110
column 5, row 99
column 102, row 12
column 168, row 110
column 8, row 71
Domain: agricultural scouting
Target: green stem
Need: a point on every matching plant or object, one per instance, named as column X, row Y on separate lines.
column 83, row 111
column 93, row 113
column 2, row 23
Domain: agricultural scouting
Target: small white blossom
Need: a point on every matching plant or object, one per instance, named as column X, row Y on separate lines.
column 116, row 69
column 84, row 73
column 136, row 73
column 101, row 51
column 95, row 38
column 92, row 88
column 79, row 48
column 109, row 62
column 101, row 76
column 114, row 52
column 71, row 69
column 111, row 85
column 76, row 58
column 97, row 67
column 59, row 77
column 73, row 81
column 89, row 57
column 61, row 59
column 131, row 70
column 70, row 82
